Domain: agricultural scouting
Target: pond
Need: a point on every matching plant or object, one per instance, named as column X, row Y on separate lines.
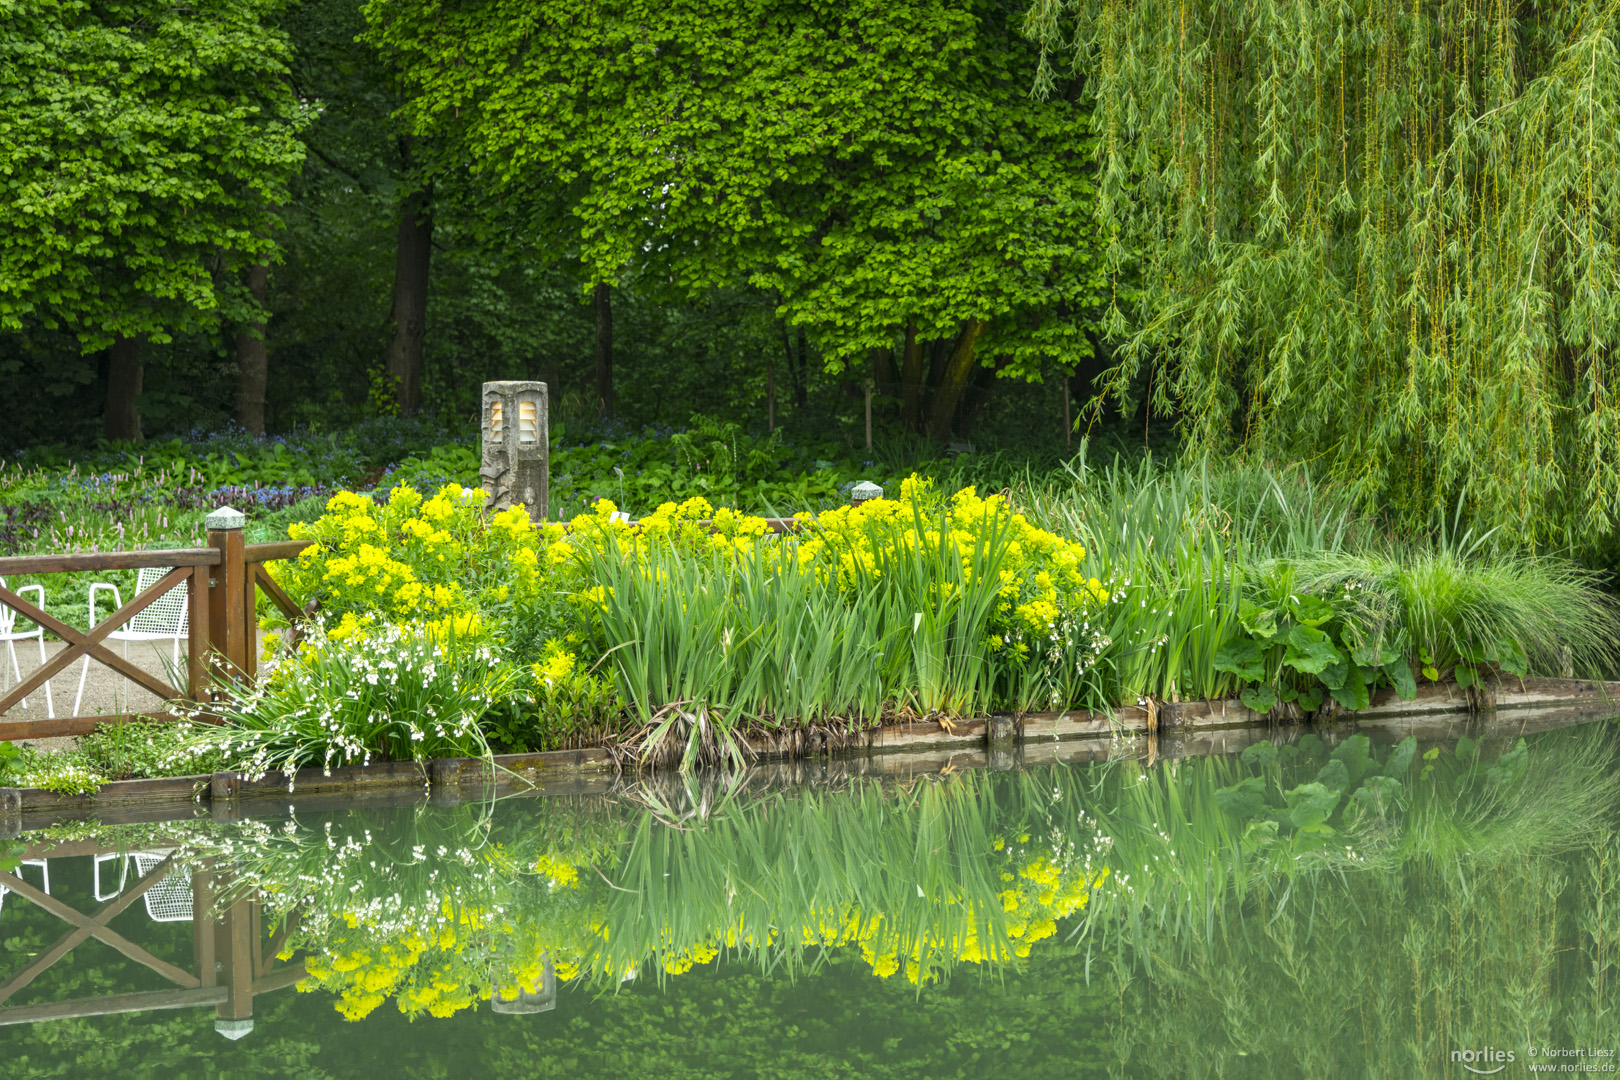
column 1332, row 905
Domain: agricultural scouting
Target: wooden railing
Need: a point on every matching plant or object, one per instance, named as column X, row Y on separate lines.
column 221, row 581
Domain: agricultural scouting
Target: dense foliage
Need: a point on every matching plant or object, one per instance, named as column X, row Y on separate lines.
column 880, row 169
column 144, row 151
column 672, row 637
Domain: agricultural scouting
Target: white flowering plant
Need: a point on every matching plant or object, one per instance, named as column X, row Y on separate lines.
column 376, row 691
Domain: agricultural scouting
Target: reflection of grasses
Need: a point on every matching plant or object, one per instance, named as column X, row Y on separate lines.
column 1382, row 973
column 1186, row 863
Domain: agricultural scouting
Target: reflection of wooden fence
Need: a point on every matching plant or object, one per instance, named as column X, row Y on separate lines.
column 221, row 581
column 229, row 967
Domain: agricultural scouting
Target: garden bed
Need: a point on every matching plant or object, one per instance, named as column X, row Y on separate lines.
column 1183, row 727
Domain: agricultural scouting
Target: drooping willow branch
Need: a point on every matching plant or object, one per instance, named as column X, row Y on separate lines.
column 1378, row 235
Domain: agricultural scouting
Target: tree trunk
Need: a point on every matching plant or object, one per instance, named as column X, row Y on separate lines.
column 955, row 379
column 985, row 382
column 603, row 302
column 253, row 358
column 121, row 421
column 911, row 376
column 412, row 259
column 883, row 370
column 938, row 351
column 801, row 376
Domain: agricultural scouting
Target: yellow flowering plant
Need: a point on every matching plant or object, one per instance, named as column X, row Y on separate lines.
column 405, row 557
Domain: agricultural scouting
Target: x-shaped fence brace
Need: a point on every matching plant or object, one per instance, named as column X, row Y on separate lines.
column 207, row 632
column 243, row 972
column 81, row 643
column 91, row 926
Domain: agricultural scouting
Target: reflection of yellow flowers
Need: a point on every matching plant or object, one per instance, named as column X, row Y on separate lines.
column 558, row 872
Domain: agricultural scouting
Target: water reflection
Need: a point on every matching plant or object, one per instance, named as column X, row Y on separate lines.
column 1307, row 909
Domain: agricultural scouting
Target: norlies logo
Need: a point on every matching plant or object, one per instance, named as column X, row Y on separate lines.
column 1485, row 1058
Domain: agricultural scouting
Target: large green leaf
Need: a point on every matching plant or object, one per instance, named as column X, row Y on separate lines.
column 1310, row 610
column 1512, row 658
column 1400, row 677
column 1242, row 658
column 1356, row 753
column 1335, row 776
column 1400, row 759
column 1244, row 799
column 1261, row 622
column 1310, row 805
column 1353, row 692
column 1371, row 654
column 1262, row 698
column 1310, row 650
column 1258, row 755
column 1379, row 795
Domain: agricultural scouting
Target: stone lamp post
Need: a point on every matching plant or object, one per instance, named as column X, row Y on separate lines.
column 515, row 469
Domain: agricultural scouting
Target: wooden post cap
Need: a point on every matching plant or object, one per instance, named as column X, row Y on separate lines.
column 865, row 491
column 225, row 518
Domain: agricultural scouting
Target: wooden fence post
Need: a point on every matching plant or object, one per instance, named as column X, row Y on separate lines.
column 227, row 595
column 233, row 950
column 197, row 635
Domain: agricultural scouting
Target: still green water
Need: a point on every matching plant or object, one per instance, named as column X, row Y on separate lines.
column 1313, row 908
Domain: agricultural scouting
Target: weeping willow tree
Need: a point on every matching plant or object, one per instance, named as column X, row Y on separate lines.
column 1379, row 236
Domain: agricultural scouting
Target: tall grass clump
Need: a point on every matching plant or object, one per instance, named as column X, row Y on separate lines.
column 1166, row 555
column 1184, row 547
column 1456, row 605
column 909, row 608
column 700, row 645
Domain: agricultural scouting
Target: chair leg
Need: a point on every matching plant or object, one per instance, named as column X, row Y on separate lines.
column 77, row 701
column 50, row 706
column 11, row 647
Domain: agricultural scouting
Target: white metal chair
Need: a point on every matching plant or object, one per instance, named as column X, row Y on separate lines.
column 166, row 618
column 103, row 895
column 170, row 900
column 11, row 635
column 44, row 872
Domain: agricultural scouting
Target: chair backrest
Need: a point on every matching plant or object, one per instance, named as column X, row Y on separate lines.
column 170, row 900
column 169, row 613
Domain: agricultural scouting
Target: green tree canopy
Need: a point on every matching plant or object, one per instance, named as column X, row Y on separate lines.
column 878, row 166
column 143, row 147
column 1375, row 235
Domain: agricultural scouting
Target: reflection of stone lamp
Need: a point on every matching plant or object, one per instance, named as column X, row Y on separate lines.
column 542, row 1000
column 515, row 427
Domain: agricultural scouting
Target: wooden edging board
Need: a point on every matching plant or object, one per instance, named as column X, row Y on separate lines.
column 1183, row 728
